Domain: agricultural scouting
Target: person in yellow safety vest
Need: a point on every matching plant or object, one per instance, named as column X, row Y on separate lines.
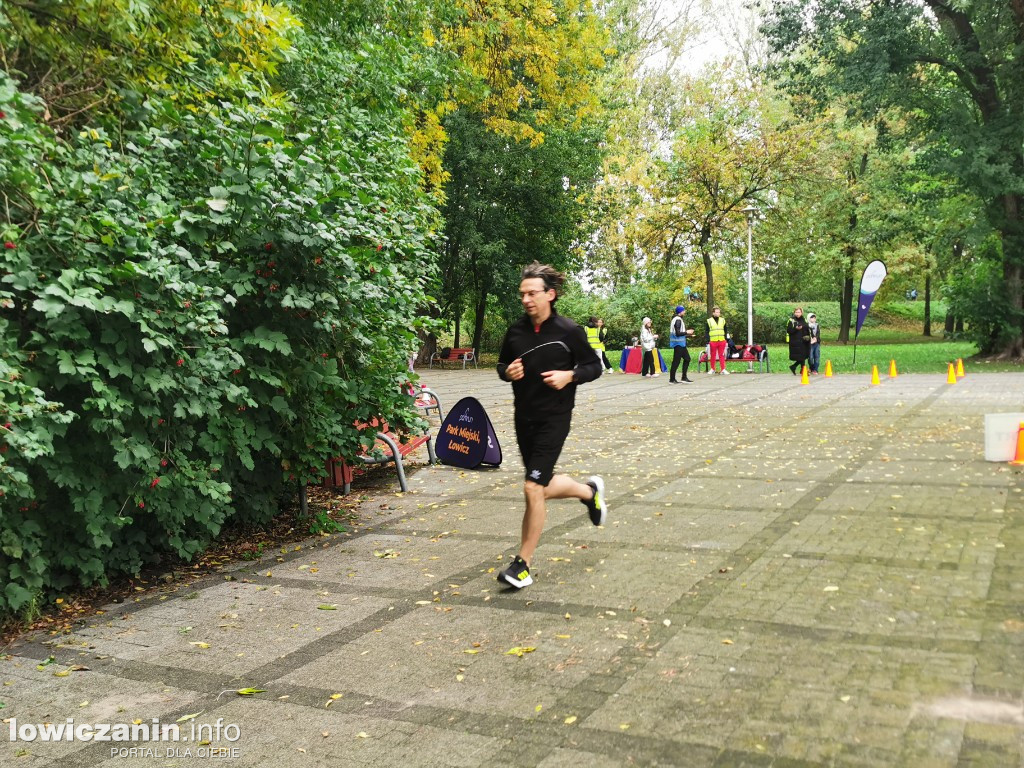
column 596, row 334
column 717, row 332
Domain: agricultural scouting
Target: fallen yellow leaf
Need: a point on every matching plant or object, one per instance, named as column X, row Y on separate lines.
column 519, row 651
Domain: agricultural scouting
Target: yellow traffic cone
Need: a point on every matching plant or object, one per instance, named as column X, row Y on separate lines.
column 828, row 369
column 1018, row 457
column 803, row 375
column 892, row 369
column 874, row 375
column 951, row 375
column 959, row 367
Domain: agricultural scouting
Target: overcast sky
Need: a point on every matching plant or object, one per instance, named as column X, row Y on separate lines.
column 725, row 27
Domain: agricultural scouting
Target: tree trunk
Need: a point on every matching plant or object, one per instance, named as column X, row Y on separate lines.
column 458, row 324
column 846, row 300
column 428, row 341
column 928, row 303
column 1013, row 273
column 950, row 322
column 481, row 311
column 846, row 309
column 710, row 279
column 959, row 327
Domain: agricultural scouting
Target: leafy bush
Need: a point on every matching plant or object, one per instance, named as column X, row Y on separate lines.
column 978, row 291
column 195, row 306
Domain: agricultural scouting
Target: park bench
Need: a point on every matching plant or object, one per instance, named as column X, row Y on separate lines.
column 428, row 400
column 387, row 448
column 746, row 356
column 446, row 355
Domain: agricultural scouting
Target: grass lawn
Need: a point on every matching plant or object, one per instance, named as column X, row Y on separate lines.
column 926, row 357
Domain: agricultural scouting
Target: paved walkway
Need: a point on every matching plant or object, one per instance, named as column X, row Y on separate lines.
column 790, row 576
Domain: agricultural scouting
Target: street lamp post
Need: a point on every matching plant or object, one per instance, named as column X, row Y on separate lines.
column 750, row 211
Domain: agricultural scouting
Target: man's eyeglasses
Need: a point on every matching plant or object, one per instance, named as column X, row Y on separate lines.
column 530, row 294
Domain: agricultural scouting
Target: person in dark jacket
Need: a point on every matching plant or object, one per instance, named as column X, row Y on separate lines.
column 678, row 334
column 798, row 333
column 545, row 356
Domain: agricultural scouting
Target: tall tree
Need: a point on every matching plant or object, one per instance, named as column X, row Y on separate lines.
column 507, row 204
column 955, row 71
column 523, row 127
column 734, row 146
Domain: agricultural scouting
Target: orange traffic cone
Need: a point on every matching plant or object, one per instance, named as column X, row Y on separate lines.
column 959, row 367
column 892, row 369
column 951, row 375
column 874, row 375
column 1018, row 458
column 828, row 369
column 803, row 375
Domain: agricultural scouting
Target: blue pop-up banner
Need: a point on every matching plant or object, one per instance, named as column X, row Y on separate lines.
column 467, row 437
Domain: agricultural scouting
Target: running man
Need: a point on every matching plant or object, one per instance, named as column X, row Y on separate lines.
column 545, row 356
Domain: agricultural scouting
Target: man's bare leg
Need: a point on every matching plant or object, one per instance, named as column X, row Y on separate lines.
column 560, row 487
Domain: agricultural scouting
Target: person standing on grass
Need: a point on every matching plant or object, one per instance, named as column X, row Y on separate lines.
column 717, row 332
column 545, row 356
column 648, row 340
column 798, row 334
column 814, row 355
column 678, row 332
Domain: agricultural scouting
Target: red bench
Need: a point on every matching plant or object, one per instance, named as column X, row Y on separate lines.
column 387, row 448
column 428, row 400
column 746, row 356
column 465, row 354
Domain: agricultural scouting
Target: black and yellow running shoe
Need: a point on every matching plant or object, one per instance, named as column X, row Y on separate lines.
column 596, row 504
column 517, row 574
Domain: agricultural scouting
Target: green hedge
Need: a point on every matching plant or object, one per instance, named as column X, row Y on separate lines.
column 195, row 306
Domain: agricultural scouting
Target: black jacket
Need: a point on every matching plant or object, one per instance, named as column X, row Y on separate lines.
column 799, row 339
column 532, row 396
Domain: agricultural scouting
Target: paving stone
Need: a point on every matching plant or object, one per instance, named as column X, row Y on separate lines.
column 791, row 576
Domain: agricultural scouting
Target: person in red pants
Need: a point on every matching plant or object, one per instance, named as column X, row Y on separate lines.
column 717, row 332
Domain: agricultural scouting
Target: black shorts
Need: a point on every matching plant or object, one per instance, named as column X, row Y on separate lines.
column 540, row 442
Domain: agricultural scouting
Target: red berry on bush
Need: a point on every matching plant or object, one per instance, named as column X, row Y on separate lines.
column 9, row 245
column 163, row 462
column 268, row 246
column 2, row 114
column 142, row 505
column 181, row 361
column 156, row 481
column 380, row 247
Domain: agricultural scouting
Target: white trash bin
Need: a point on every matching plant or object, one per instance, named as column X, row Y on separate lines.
column 1001, row 435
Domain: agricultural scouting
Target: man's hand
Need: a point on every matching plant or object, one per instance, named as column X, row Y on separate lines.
column 515, row 370
column 557, row 379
